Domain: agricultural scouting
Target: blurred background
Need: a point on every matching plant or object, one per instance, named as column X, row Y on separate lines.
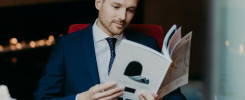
column 28, row 29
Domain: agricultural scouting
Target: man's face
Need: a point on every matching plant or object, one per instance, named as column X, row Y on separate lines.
column 115, row 15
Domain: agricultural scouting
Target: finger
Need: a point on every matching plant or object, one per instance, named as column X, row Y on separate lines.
column 141, row 97
column 154, row 94
column 103, row 86
column 108, row 92
column 146, row 96
column 115, row 95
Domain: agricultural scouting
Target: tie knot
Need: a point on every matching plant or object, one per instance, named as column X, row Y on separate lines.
column 111, row 42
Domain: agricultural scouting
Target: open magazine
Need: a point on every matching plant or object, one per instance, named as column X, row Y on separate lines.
column 139, row 68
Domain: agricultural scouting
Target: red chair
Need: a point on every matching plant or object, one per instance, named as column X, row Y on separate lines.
column 147, row 29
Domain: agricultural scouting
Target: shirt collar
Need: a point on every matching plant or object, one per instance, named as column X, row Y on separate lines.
column 100, row 35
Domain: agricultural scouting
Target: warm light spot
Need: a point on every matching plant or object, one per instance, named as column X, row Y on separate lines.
column 18, row 46
column 41, row 43
column 227, row 43
column 241, row 48
column 48, row 43
column 32, row 44
column 61, row 35
column 13, row 41
column 12, row 47
column 14, row 60
column 51, row 38
column 1, row 48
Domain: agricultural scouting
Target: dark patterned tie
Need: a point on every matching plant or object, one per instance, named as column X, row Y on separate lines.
column 111, row 42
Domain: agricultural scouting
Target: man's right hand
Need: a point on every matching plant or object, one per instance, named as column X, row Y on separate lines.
column 104, row 91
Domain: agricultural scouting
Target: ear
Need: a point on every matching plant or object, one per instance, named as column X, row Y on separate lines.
column 98, row 4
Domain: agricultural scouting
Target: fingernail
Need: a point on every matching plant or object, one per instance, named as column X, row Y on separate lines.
column 121, row 87
column 140, row 93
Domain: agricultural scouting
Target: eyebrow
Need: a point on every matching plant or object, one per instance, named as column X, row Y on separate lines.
column 116, row 3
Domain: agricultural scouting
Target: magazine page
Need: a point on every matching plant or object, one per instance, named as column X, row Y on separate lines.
column 167, row 39
column 138, row 68
column 174, row 40
column 178, row 71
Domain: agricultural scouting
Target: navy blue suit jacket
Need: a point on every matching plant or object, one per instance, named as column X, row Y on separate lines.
column 72, row 69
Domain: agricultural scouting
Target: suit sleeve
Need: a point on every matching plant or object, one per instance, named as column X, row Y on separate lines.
column 52, row 82
column 175, row 95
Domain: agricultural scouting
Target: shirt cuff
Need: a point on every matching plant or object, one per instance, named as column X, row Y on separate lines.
column 76, row 97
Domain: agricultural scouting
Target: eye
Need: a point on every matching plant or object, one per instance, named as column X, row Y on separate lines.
column 131, row 10
column 116, row 7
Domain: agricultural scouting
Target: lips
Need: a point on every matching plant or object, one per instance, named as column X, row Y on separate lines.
column 119, row 25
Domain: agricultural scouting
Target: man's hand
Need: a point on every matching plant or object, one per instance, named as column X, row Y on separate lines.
column 144, row 96
column 104, row 91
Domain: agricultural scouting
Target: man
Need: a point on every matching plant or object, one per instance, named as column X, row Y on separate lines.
column 78, row 66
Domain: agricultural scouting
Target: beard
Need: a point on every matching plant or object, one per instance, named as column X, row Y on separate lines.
column 112, row 26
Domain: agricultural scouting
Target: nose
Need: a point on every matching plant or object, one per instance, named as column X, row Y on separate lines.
column 122, row 14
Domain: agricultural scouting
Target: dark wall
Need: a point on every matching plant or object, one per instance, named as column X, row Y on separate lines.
column 35, row 21
column 38, row 21
column 192, row 15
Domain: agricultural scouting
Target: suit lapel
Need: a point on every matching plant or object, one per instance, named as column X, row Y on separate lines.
column 88, row 48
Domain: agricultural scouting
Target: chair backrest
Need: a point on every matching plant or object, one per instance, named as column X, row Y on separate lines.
column 147, row 29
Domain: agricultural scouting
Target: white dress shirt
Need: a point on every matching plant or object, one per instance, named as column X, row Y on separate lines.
column 102, row 51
